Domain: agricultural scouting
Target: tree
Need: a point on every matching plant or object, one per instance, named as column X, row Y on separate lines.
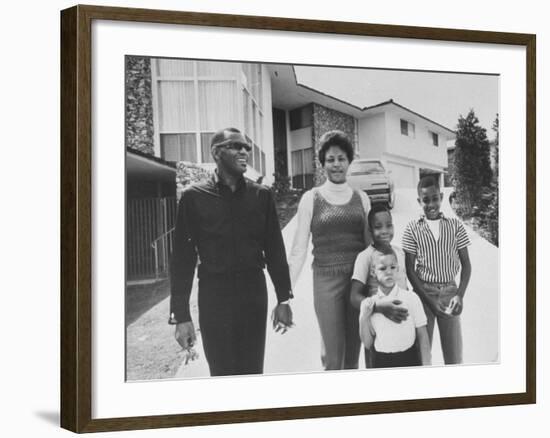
column 471, row 161
column 496, row 129
column 492, row 210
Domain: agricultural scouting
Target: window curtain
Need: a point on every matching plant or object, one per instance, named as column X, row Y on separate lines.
column 175, row 67
column 175, row 100
column 217, row 105
column 257, row 162
column 308, row 160
column 297, row 169
column 302, row 168
column 206, row 138
column 205, row 68
column 263, row 171
column 246, row 113
column 179, row 147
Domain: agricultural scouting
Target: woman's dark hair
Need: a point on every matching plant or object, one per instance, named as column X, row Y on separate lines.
column 376, row 208
column 338, row 139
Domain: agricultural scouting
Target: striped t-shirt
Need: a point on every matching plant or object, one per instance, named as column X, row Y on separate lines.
column 437, row 261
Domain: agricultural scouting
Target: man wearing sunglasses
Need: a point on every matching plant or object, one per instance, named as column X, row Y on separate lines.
column 230, row 224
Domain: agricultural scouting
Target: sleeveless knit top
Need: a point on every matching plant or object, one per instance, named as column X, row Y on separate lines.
column 337, row 234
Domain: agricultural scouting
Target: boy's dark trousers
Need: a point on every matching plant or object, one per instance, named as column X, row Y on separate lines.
column 407, row 358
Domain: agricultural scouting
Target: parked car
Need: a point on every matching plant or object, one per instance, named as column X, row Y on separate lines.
column 370, row 175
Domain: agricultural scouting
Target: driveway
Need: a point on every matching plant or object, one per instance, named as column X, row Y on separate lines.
column 298, row 349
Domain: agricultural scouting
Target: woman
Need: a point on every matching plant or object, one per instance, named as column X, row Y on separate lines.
column 334, row 215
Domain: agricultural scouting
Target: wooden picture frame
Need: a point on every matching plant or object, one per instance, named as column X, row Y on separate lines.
column 76, row 217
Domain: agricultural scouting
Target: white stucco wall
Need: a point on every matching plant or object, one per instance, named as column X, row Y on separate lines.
column 418, row 148
column 380, row 137
column 372, row 136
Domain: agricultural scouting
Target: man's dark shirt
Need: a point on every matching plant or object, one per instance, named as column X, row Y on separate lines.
column 229, row 232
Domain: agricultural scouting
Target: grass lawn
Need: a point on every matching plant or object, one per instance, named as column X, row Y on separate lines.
column 151, row 350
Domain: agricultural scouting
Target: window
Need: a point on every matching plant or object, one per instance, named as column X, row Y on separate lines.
column 175, row 67
column 246, row 112
column 435, row 138
column 263, row 172
column 212, row 114
column 407, row 128
column 252, row 113
column 253, row 80
column 301, row 117
column 257, row 163
column 193, row 99
column 218, row 69
column 178, row 147
column 302, row 168
column 206, row 138
column 175, row 99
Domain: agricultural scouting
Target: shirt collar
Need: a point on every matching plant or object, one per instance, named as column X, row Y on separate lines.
column 332, row 187
column 217, row 181
column 215, row 177
column 424, row 219
column 392, row 294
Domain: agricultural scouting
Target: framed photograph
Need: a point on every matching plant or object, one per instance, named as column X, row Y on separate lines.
column 268, row 219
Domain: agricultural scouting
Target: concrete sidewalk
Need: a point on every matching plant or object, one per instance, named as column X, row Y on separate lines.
column 298, row 350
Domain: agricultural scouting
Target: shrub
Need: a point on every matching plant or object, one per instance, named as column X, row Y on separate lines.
column 188, row 173
column 281, row 184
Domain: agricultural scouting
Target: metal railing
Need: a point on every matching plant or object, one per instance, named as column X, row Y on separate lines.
column 149, row 225
column 162, row 247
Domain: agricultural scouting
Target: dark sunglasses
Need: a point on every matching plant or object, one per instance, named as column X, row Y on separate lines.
column 233, row 145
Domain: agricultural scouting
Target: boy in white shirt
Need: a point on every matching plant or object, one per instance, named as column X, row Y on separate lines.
column 396, row 344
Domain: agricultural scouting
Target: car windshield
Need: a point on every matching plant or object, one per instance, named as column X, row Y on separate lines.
column 366, row 167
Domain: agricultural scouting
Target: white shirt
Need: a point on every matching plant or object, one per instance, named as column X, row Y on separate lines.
column 335, row 194
column 434, row 227
column 392, row 337
column 362, row 270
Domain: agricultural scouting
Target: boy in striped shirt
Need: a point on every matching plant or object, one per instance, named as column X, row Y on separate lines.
column 436, row 249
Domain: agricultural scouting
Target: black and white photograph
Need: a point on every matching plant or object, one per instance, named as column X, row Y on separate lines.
column 286, row 218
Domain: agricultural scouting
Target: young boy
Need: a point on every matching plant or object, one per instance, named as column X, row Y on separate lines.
column 364, row 285
column 435, row 250
column 395, row 344
column 364, row 281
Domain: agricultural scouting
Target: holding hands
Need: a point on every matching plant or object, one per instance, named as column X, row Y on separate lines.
column 281, row 317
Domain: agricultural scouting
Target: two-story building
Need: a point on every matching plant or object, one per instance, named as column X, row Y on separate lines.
column 174, row 106
column 187, row 101
column 409, row 143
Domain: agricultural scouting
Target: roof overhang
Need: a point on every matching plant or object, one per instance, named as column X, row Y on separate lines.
column 287, row 94
column 148, row 168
